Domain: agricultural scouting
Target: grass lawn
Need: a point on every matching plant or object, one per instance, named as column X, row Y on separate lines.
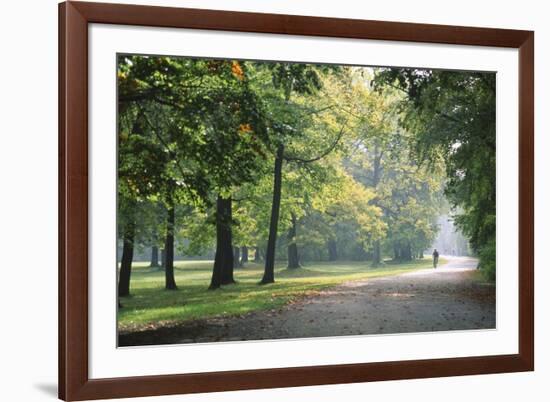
column 150, row 306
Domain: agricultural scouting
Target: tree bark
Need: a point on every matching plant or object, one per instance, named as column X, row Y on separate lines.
column 269, row 271
column 376, row 258
column 244, row 255
column 126, row 261
column 258, row 254
column 405, row 252
column 162, row 258
column 376, row 177
column 237, row 263
column 169, row 249
column 396, row 252
column 293, row 258
column 222, row 273
column 332, row 250
column 154, row 257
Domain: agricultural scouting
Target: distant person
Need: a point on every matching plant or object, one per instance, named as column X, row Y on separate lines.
column 435, row 255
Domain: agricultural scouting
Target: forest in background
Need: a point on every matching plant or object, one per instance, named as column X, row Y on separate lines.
column 299, row 162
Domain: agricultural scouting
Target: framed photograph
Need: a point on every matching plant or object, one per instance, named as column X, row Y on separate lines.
column 261, row 200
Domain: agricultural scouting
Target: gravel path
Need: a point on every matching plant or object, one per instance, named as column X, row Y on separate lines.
column 442, row 299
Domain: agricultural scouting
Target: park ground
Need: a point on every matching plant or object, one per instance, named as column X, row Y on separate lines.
column 324, row 299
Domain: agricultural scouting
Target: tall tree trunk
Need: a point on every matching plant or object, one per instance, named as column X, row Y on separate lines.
column 269, row 271
column 396, row 252
column 332, row 250
column 405, row 252
column 258, row 254
column 126, row 261
column 293, row 258
column 154, row 257
column 169, row 248
column 244, row 255
column 376, row 258
column 222, row 273
column 227, row 272
column 237, row 263
column 376, row 177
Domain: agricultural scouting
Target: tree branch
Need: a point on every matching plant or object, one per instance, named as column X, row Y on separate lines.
column 321, row 156
column 170, row 152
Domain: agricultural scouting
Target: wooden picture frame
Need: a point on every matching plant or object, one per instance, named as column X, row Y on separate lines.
column 74, row 381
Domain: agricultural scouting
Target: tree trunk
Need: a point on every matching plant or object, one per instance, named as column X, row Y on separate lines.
column 332, row 250
column 396, row 253
column 126, row 261
column 154, row 257
column 169, row 249
column 258, row 254
column 376, row 177
column 237, row 263
column 222, row 273
column 376, row 258
column 227, row 272
column 293, row 258
column 405, row 252
column 244, row 255
column 269, row 271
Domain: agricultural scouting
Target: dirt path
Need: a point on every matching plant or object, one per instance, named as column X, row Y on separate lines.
column 446, row 298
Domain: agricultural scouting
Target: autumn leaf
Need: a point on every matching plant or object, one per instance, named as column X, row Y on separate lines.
column 237, row 70
column 245, row 128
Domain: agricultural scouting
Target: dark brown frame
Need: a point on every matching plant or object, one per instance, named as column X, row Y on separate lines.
column 74, row 18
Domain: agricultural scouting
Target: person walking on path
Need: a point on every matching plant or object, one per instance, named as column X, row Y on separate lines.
column 435, row 255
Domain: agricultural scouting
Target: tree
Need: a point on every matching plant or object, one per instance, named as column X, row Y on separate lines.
column 170, row 281
column 288, row 121
column 233, row 152
column 127, row 257
column 223, row 262
column 244, row 254
column 452, row 114
column 207, row 120
column 136, row 154
column 343, row 210
column 147, row 95
column 154, row 257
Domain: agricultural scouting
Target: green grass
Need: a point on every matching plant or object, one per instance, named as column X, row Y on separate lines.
column 150, row 306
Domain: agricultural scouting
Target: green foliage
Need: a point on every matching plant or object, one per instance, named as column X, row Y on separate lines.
column 367, row 163
column 408, row 194
column 487, row 260
column 196, row 129
column 452, row 117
